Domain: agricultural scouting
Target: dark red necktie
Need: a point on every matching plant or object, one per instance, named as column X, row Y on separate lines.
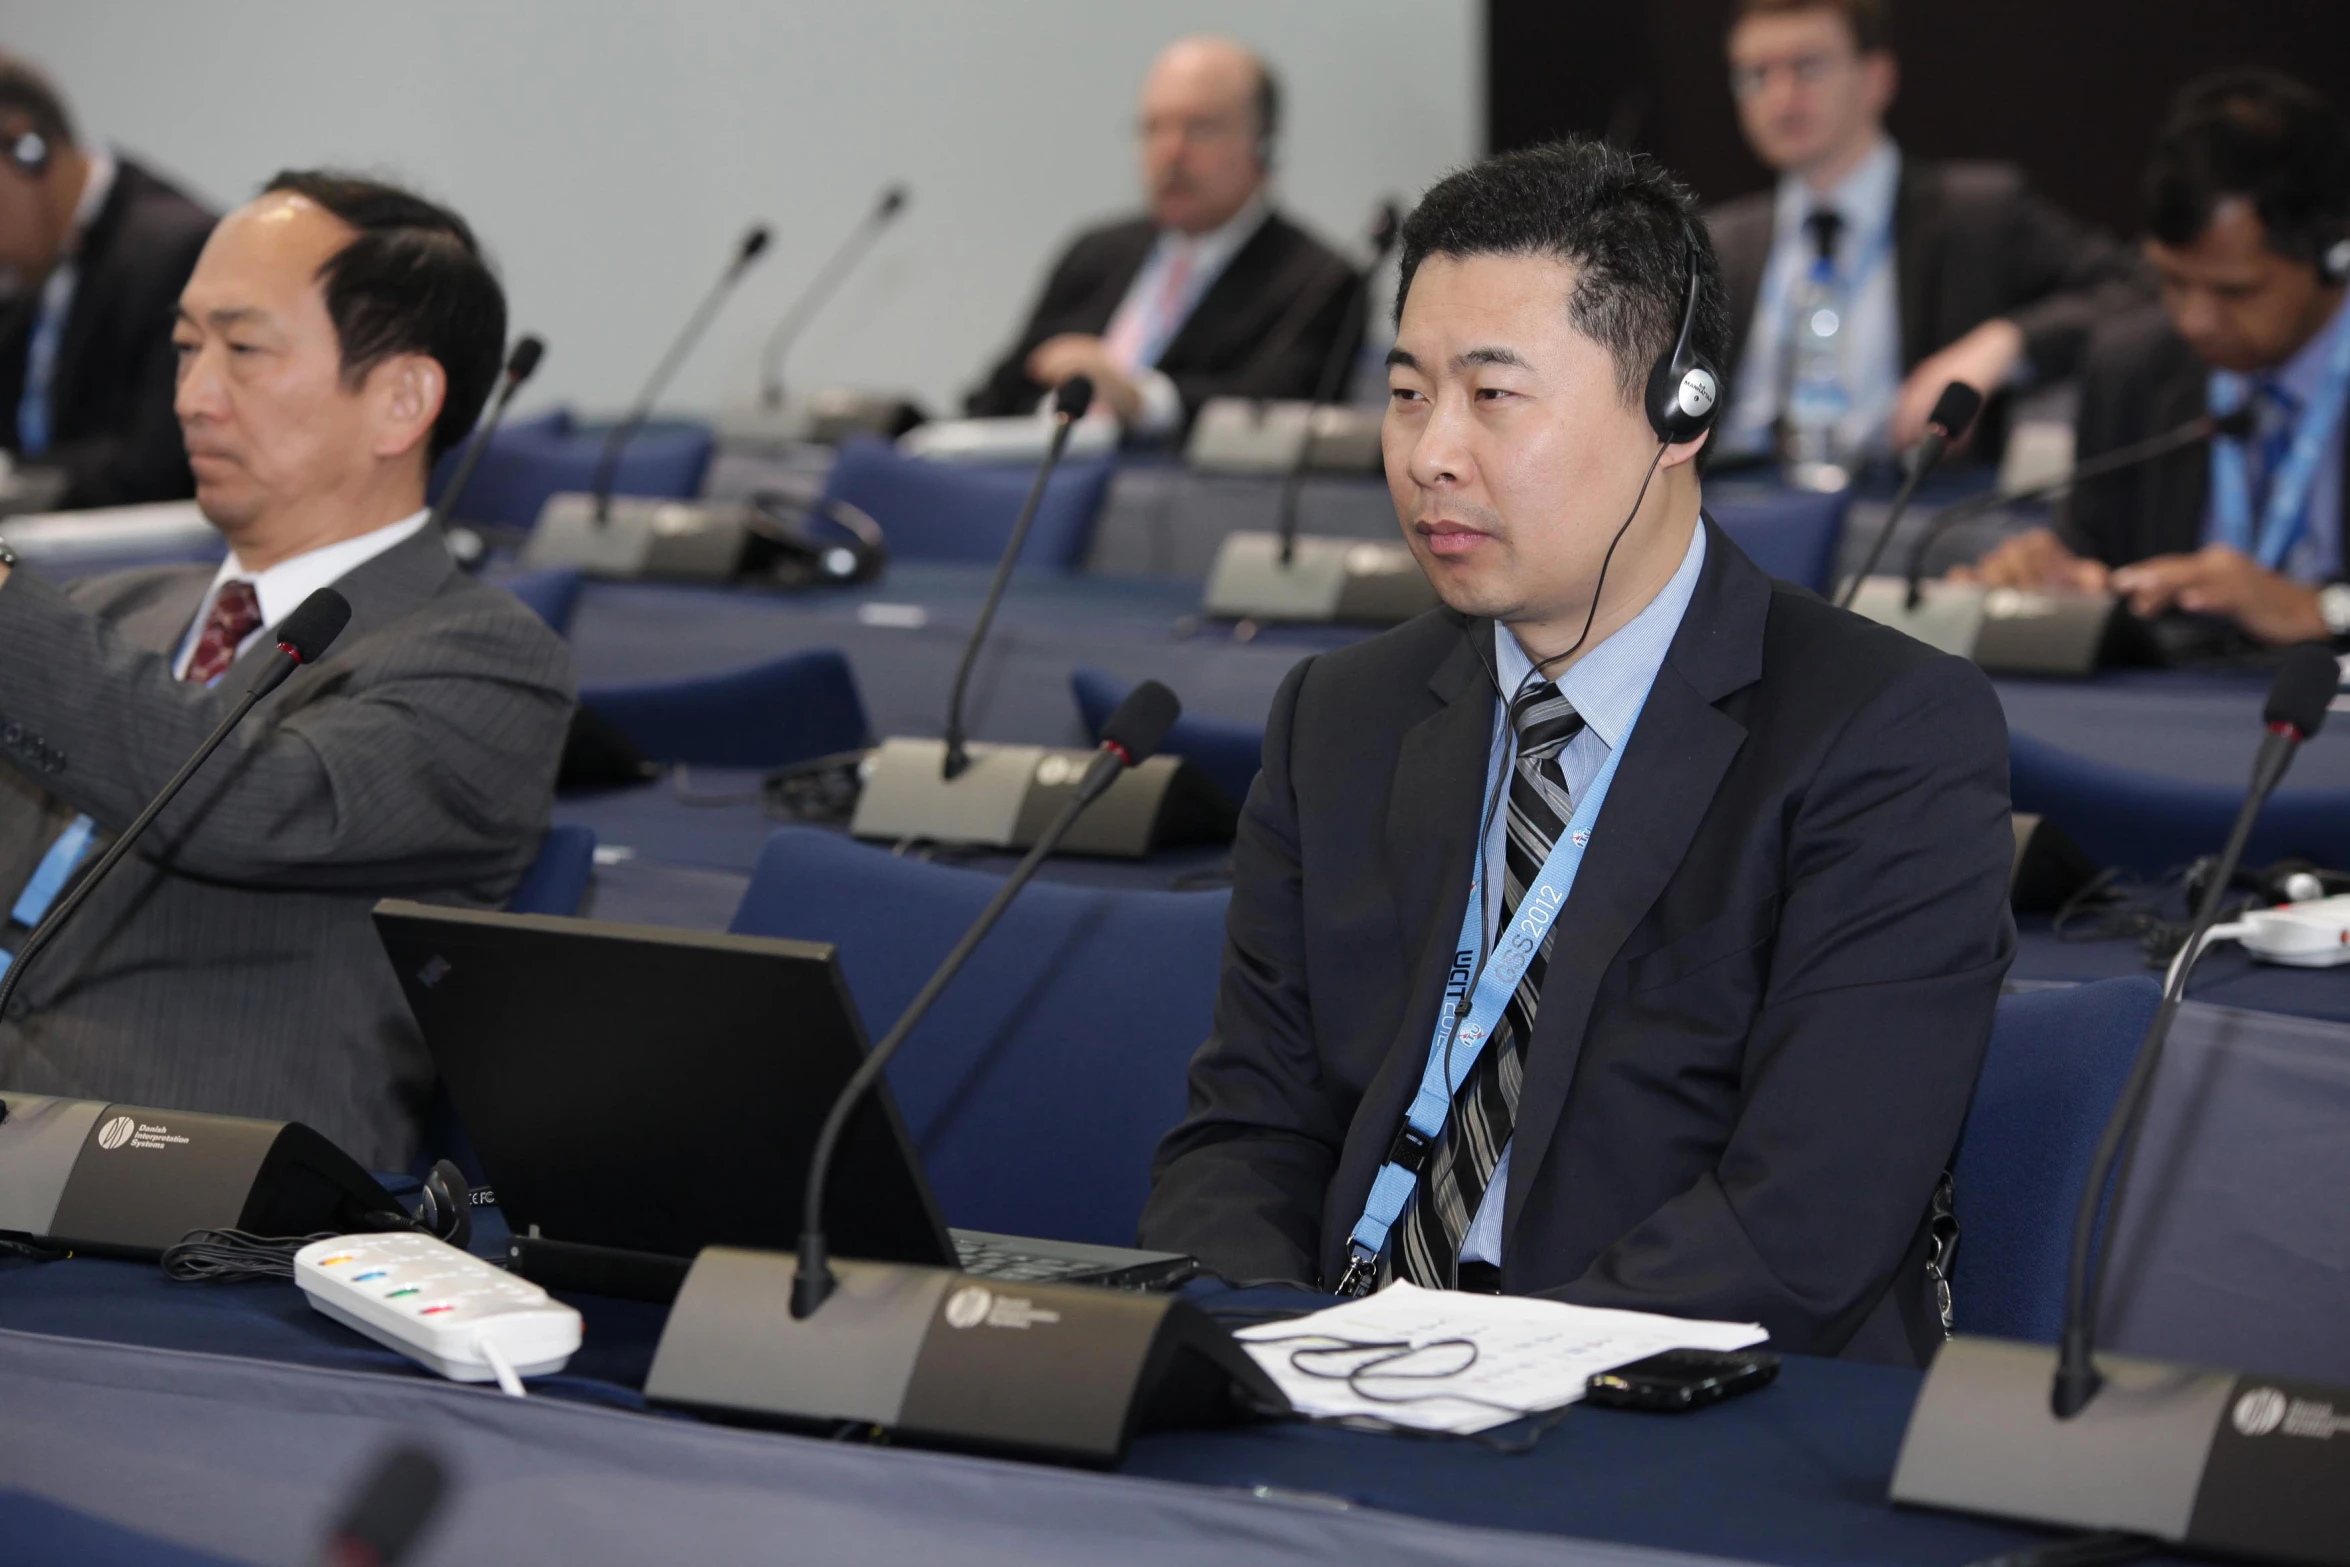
column 236, row 615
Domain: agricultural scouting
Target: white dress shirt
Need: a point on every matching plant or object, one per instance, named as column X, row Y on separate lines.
column 1149, row 316
column 285, row 585
column 1607, row 686
column 1871, row 334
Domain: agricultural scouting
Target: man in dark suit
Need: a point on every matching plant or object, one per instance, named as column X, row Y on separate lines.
column 97, row 249
column 2248, row 225
column 336, row 336
column 1212, row 293
column 1946, row 271
column 1738, row 1041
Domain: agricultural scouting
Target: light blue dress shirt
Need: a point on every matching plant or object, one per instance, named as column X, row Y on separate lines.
column 1607, row 686
column 1871, row 332
column 2318, row 555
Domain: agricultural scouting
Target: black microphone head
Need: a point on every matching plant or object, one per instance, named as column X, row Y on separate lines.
column 1072, row 397
column 893, row 202
column 754, row 241
column 392, row 1509
column 313, row 626
column 523, row 363
column 1140, row 723
column 2236, row 424
column 2305, row 688
column 1954, row 410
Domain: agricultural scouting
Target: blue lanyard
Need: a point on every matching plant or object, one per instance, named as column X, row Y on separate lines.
column 2285, row 515
column 1880, row 246
column 1451, row 1058
column 34, row 423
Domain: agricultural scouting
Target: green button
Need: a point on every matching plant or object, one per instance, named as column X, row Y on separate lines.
column 396, row 1294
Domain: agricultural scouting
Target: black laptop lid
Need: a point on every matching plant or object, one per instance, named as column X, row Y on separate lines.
column 657, row 1090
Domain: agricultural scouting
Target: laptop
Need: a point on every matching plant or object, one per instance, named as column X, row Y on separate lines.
column 637, row 1093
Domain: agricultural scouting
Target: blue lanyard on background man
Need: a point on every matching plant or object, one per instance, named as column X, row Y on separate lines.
column 2284, row 517
column 1450, row 1062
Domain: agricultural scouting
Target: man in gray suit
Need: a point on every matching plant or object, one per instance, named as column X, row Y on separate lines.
column 336, row 337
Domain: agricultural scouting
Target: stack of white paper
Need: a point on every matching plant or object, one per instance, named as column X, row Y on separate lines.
column 1531, row 1355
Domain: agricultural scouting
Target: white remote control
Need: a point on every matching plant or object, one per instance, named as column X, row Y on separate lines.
column 467, row 1319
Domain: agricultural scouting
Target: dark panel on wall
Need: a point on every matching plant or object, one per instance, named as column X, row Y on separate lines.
column 2071, row 89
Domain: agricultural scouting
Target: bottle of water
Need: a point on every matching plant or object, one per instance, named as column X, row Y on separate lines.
column 1817, row 402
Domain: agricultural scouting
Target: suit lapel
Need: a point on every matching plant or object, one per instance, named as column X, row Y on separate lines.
column 1673, row 763
column 1236, row 301
column 1916, row 207
column 2176, row 519
column 1123, row 254
column 380, row 591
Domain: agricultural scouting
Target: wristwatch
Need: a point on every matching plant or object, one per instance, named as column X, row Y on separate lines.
column 2333, row 607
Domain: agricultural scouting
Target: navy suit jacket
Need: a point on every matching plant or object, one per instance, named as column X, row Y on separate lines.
column 1768, row 998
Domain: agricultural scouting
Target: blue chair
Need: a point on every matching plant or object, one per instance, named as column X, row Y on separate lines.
column 1226, row 751
column 1788, row 534
column 958, row 512
column 2054, row 1071
column 785, row 710
column 2150, row 823
column 529, row 460
column 1039, row 1085
column 551, row 593
column 556, row 883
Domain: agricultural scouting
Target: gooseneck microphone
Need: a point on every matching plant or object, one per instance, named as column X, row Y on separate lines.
column 746, row 251
column 302, row 638
column 521, row 365
column 1953, row 411
column 390, row 1513
column 833, row 273
column 1386, row 224
column 2296, row 708
column 1130, row 736
column 1070, row 401
column 2204, row 427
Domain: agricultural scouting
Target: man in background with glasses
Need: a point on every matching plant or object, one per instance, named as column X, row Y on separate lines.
column 1211, row 293
column 1923, row 273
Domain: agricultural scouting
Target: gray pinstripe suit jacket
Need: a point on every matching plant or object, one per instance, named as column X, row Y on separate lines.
column 229, row 964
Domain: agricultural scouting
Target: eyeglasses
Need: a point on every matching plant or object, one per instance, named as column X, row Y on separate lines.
column 1198, row 132
column 1808, row 70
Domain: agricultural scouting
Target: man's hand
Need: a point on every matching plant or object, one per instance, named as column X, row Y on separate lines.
column 1056, row 359
column 1983, row 359
column 2037, row 561
column 2216, row 580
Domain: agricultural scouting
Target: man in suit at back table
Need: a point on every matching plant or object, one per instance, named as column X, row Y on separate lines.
column 1626, row 931
column 1212, row 293
column 2248, row 225
column 96, row 248
column 1945, row 271
column 337, row 335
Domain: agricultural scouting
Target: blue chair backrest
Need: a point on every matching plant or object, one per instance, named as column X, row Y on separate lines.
column 1039, row 1085
column 2150, row 823
column 2055, row 1069
column 551, row 593
column 1226, row 751
column 785, row 710
column 1790, row 534
column 530, row 460
column 965, row 512
column 557, row 881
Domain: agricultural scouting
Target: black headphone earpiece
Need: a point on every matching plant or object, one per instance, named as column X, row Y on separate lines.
column 446, row 1207
column 29, row 151
column 786, row 547
column 1684, row 391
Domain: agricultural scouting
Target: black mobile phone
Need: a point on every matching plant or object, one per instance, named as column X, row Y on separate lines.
column 1683, row 1379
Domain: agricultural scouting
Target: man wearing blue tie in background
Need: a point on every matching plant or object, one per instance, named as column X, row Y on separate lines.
column 1628, row 930
column 2248, row 224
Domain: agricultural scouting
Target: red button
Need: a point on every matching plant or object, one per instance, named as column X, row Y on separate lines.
column 434, row 1310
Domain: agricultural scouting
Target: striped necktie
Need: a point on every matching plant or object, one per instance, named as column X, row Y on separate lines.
column 1427, row 1247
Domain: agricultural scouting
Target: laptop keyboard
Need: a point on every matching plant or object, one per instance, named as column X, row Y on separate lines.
column 993, row 1260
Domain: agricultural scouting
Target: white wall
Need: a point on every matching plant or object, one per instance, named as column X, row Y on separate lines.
column 610, row 151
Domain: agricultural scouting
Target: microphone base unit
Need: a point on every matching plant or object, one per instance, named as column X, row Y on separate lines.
column 2009, row 631
column 822, row 418
column 131, row 1180
column 1063, row 1372
column 690, row 541
column 2212, row 1460
column 1010, row 794
column 1250, row 435
column 1327, row 580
